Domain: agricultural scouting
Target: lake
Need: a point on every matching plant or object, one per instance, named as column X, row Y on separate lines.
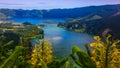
column 61, row 39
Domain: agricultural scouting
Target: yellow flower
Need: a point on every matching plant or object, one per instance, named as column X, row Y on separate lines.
column 97, row 38
column 115, row 42
column 34, row 50
column 98, row 63
column 34, row 54
column 100, row 49
column 42, row 51
column 100, row 44
column 94, row 53
column 96, row 44
column 93, row 45
column 93, row 58
column 33, row 61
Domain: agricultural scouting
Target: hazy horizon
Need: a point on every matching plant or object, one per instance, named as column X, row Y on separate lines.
column 54, row 4
column 57, row 8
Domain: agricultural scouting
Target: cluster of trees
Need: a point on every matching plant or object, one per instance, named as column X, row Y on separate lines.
column 24, row 34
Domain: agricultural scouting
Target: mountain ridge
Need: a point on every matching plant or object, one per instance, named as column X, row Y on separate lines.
column 104, row 10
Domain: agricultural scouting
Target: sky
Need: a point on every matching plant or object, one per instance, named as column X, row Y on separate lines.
column 53, row 4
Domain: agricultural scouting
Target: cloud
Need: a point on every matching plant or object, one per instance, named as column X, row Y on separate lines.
column 41, row 3
column 10, row 4
column 57, row 38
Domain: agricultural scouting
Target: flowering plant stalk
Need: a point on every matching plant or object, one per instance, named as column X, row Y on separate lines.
column 100, row 54
column 105, row 54
column 41, row 51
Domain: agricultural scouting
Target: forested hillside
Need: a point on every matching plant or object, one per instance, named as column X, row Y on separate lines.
column 103, row 11
column 95, row 25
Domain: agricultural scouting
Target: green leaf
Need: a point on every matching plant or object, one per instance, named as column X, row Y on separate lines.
column 67, row 64
column 83, row 58
column 88, row 50
column 7, row 44
column 58, row 63
column 11, row 59
column 43, row 64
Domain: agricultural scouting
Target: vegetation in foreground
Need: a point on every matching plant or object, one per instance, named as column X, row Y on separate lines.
column 103, row 54
column 100, row 54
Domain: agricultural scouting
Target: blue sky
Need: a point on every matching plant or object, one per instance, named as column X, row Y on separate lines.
column 52, row 4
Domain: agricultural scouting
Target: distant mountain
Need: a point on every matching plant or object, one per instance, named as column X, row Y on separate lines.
column 98, row 20
column 100, row 11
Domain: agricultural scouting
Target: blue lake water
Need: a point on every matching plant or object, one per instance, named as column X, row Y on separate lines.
column 36, row 21
column 61, row 39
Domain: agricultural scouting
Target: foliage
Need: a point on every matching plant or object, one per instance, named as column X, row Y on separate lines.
column 11, row 36
column 41, row 51
column 61, row 63
column 80, row 30
column 29, row 31
column 42, row 57
column 4, row 49
column 22, row 37
column 105, row 54
column 83, row 59
column 12, row 58
column 9, row 58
